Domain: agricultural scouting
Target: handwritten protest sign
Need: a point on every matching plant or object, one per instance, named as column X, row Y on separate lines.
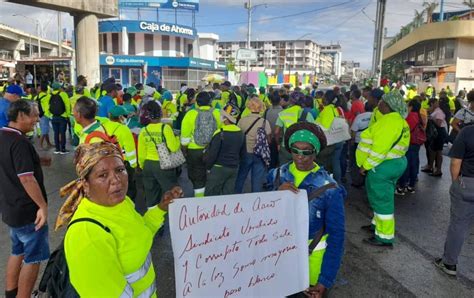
column 250, row 245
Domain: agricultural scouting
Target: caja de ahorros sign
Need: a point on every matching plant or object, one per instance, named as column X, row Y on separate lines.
column 170, row 28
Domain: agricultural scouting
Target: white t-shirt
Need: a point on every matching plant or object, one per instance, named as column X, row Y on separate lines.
column 29, row 79
column 465, row 115
column 361, row 122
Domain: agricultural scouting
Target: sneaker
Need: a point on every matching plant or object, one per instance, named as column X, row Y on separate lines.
column 57, row 152
column 448, row 269
column 410, row 189
column 400, row 191
column 65, row 152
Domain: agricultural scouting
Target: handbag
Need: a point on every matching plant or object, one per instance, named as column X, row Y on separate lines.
column 338, row 132
column 168, row 160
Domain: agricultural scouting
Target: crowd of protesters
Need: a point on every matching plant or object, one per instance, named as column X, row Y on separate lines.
column 221, row 136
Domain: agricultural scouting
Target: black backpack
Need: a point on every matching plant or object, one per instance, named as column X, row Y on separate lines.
column 40, row 107
column 55, row 280
column 56, row 105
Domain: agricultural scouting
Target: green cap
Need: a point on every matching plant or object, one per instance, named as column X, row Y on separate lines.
column 132, row 91
column 118, row 111
column 56, row 85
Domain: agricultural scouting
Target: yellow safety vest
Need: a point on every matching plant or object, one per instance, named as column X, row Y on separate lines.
column 387, row 139
column 153, row 134
column 189, row 123
column 115, row 264
column 125, row 140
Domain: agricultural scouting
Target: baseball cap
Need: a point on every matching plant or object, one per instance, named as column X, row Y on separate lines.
column 56, row 85
column 118, row 111
column 15, row 89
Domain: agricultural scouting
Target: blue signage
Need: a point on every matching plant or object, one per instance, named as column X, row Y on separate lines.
column 167, row 4
column 146, row 26
column 183, row 62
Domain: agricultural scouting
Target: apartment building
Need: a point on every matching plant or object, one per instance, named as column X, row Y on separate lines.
column 335, row 51
column 279, row 55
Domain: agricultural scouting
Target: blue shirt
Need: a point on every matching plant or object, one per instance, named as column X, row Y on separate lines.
column 327, row 210
column 4, row 106
column 106, row 103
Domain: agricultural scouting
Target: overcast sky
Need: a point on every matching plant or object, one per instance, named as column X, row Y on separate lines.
column 349, row 23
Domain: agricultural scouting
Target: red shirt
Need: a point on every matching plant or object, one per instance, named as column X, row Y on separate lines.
column 356, row 109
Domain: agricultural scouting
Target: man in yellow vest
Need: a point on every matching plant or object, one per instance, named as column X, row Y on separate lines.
column 82, row 81
column 373, row 100
column 429, row 91
column 197, row 129
column 381, row 157
column 115, row 127
column 85, row 117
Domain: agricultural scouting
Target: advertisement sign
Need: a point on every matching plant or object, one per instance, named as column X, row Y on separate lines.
column 148, row 27
column 246, row 55
column 167, row 4
column 240, row 245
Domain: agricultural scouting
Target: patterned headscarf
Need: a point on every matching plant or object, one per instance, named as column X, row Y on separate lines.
column 87, row 156
column 395, row 101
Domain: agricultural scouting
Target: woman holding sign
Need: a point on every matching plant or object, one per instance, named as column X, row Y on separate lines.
column 107, row 244
column 304, row 141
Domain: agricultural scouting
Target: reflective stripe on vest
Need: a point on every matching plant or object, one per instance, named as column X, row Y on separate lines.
column 127, row 292
column 149, row 291
column 322, row 244
column 141, row 272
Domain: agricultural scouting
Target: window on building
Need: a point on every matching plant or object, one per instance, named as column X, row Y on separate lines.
column 104, row 42
column 131, row 43
column 431, row 52
column 115, row 43
column 449, row 49
column 149, row 44
column 165, row 42
column 420, row 54
column 190, row 50
column 178, row 44
column 101, row 42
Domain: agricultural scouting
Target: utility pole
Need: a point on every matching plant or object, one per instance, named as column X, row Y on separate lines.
column 248, row 6
column 441, row 11
column 378, row 40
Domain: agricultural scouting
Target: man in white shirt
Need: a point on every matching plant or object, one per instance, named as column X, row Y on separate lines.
column 360, row 123
column 29, row 79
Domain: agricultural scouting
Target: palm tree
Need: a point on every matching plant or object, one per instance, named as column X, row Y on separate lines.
column 418, row 19
column 469, row 4
column 430, row 7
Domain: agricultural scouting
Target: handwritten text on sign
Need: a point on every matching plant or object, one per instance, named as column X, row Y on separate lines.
column 251, row 245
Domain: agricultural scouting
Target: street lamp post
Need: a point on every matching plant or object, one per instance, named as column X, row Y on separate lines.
column 249, row 7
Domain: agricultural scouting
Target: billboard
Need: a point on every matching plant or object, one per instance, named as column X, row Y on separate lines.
column 167, row 4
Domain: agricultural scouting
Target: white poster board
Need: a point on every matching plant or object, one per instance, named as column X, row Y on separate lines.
column 249, row 245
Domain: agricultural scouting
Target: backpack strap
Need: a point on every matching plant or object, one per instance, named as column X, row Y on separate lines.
column 303, row 116
column 251, row 126
column 97, row 134
column 398, row 140
column 105, row 228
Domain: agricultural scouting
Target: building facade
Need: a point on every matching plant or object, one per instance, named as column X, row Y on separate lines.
column 167, row 54
column 438, row 53
column 279, row 55
column 335, row 51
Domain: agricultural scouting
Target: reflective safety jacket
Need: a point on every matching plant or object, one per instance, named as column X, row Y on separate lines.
column 151, row 135
column 327, row 115
column 189, row 125
column 290, row 116
column 44, row 99
column 115, row 264
column 388, row 138
column 376, row 115
column 327, row 210
column 125, row 140
column 67, row 103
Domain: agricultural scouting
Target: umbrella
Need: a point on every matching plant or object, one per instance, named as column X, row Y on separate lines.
column 213, row 78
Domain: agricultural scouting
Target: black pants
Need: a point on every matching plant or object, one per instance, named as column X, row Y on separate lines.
column 221, row 181
column 157, row 181
column 132, row 186
column 196, row 168
column 59, row 128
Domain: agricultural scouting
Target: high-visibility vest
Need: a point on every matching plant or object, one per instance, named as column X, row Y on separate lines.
column 125, row 139
column 316, row 260
column 388, row 138
column 290, row 116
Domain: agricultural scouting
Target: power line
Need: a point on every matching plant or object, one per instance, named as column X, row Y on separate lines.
column 279, row 17
column 346, row 20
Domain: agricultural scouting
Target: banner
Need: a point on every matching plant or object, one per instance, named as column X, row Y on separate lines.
column 249, row 245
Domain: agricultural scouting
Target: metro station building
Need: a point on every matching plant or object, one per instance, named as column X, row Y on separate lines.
column 167, row 54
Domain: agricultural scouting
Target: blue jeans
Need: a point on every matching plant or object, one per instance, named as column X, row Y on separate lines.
column 254, row 163
column 59, row 127
column 411, row 172
column 336, row 162
column 32, row 245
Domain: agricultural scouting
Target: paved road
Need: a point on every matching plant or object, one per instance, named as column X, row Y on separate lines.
column 407, row 270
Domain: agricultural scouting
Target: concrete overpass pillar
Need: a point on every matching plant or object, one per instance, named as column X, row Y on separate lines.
column 86, row 28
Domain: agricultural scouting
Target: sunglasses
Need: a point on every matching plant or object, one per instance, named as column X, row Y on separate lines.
column 307, row 152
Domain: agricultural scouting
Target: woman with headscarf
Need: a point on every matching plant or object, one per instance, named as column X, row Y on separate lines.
column 250, row 125
column 156, row 181
column 381, row 157
column 107, row 244
column 304, row 141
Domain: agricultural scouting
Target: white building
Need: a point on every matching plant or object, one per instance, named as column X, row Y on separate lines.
column 279, row 55
column 336, row 52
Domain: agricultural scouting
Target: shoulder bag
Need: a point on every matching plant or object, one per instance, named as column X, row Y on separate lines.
column 168, row 160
